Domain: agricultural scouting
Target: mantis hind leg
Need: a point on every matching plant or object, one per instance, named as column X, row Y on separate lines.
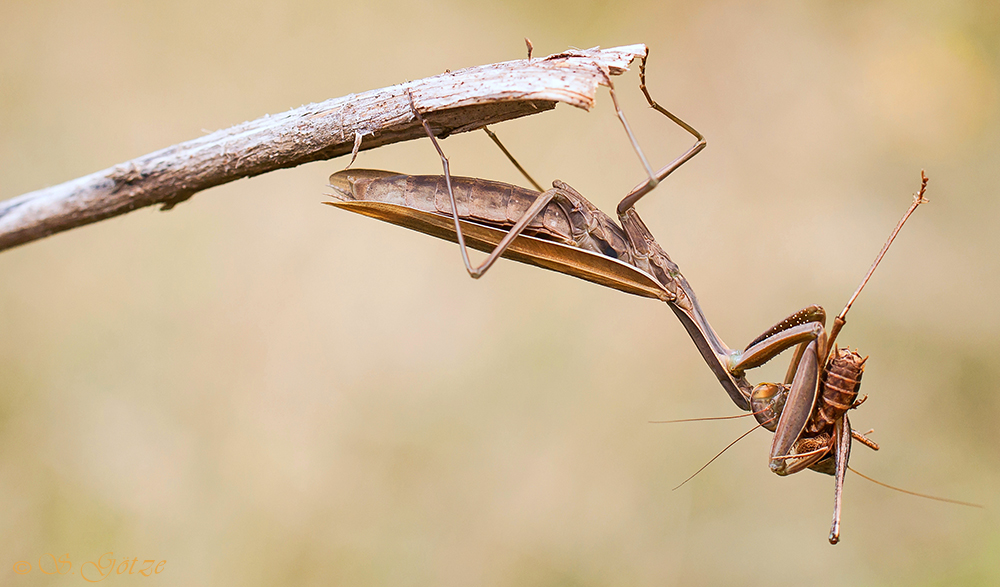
column 654, row 178
column 534, row 210
column 496, row 140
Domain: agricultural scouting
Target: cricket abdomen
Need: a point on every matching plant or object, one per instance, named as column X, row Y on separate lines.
column 840, row 384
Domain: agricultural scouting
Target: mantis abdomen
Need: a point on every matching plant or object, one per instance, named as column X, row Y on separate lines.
column 567, row 219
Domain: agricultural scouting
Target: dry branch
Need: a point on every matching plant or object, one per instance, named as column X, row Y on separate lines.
column 453, row 102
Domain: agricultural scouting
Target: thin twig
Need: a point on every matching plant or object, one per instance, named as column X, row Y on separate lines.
column 453, row 102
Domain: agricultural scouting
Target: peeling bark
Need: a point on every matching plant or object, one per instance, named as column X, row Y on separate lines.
column 452, row 102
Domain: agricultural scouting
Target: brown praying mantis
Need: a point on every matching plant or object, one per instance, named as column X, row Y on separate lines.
column 560, row 230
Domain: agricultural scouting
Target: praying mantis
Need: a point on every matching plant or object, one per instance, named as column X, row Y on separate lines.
column 560, row 230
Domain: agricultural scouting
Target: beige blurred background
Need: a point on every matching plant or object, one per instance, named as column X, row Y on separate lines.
column 261, row 390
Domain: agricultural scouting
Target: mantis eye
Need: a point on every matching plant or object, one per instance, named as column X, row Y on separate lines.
column 766, row 401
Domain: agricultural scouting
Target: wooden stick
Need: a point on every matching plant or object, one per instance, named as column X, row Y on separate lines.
column 452, row 102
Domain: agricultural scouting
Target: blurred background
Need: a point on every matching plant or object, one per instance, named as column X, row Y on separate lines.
column 262, row 390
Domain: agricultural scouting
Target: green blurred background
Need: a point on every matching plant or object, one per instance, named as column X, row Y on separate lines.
column 262, row 390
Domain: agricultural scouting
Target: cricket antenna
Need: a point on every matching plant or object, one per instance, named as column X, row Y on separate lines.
column 712, row 460
column 841, row 318
column 915, row 494
column 712, row 418
column 708, row 419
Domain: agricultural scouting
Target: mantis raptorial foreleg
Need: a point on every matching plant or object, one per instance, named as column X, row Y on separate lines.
column 804, row 329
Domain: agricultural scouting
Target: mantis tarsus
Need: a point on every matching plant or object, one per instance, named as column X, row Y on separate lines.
column 561, row 230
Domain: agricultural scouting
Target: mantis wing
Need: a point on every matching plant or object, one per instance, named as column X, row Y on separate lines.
column 550, row 255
